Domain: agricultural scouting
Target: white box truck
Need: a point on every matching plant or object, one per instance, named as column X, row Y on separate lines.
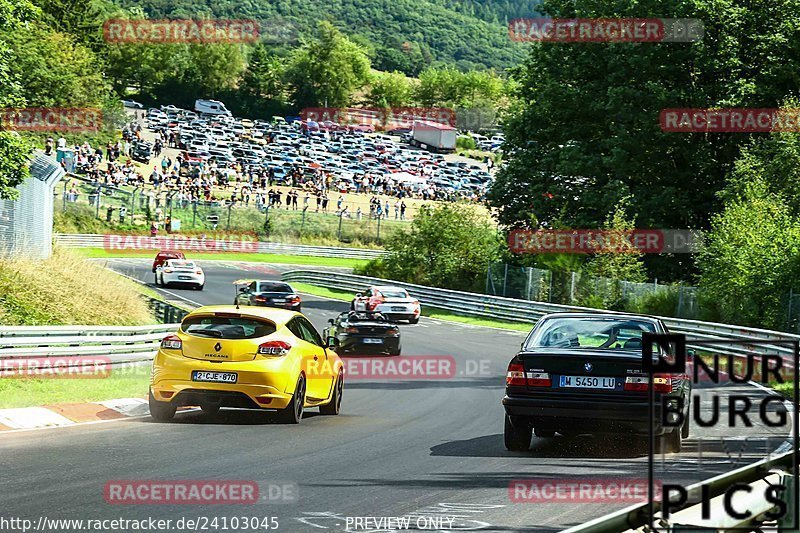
column 211, row 107
column 433, row 136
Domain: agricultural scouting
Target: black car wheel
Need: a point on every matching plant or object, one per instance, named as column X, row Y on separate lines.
column 161, row 411
column 395, row 352
column 335, row 404
column 293, row 413
column 517, row 435
column 544, row 433
column 669, row 442
column 413, row 320
column 685, row 428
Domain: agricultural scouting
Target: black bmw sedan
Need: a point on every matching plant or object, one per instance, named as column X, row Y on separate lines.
column 583, row 373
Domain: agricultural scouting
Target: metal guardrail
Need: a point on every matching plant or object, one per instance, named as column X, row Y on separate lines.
column 635, row 516
column 167, row 313
column 121, row 344
column 85, row 240
column 511, row 309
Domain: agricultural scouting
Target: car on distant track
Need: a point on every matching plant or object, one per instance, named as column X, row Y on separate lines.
column 267, row 293
column 164, row 255
column 249, row 357
column 583, row 373
column 393, row 302
column 364, row 333
column 133, row 104
column 180, row 272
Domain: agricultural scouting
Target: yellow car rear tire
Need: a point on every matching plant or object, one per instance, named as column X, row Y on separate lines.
column 161, row 411
column 293, row 413
column 335, row 404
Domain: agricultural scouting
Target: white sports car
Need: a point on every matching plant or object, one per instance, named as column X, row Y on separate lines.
column 180, row 272
column 392, row 302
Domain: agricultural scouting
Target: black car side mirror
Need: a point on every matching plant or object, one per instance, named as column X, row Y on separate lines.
column 331, row 321
column 358, row 295
column 333, row 342
column 243, row 289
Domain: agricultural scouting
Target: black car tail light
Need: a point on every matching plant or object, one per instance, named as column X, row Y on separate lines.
column 515, row 375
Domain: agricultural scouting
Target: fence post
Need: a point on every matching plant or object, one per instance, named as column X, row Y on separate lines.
column 505, row 279
column 228, row 225
column 572, row 288
column 65, row 196
column 339, row 232
column 378, row 239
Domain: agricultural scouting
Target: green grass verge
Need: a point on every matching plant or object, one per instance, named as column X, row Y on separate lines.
column 430, row 312
column 131, row 382
column 786, row 388
column 224, row 256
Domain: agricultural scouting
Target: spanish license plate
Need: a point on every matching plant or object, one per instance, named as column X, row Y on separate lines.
column 214, row 377
column 373, row 341
column 585, row 382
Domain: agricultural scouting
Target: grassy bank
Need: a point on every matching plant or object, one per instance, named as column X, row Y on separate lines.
column 427, row 311
column 131, row 382
column 224, row 256
column 65, row 289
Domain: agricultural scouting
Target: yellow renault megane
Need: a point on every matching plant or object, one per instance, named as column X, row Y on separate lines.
column 248, row 357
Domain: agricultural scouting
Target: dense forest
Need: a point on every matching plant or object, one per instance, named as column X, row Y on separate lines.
column 402, row 35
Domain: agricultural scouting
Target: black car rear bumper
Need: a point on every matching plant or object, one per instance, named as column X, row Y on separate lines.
column 598, row 415
column 357, row 346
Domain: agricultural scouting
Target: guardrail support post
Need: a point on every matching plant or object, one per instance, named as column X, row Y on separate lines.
column 786, row 522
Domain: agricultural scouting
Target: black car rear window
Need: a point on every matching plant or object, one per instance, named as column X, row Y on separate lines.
column 269, row 286
column 219, row 327
column 604, row 333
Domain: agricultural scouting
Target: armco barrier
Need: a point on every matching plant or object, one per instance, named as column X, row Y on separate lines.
column 484, row 305
column 82, row 240
column 121, row 344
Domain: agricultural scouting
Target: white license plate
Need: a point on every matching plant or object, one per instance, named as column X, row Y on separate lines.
column 586, row 382
column 184, row 277
column 214, row 377
column 373, row 341
column 278, row 301
column 398, row 309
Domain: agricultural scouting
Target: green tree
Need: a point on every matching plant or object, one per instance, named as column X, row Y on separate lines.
column 751, row 258
column 13, row 148
column 448, row 246
column 389, row 89
column 327, row 70
column 585, row 127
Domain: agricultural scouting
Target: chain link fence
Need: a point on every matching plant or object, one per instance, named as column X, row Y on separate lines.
column 575, row 288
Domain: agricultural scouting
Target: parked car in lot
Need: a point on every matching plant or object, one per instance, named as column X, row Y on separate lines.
column 180, row 272
column 164, row 255
column 267, row 294
column 364, row 333
column 251, row 358
column 142, row 151
column 393, row 302
column 583, row 373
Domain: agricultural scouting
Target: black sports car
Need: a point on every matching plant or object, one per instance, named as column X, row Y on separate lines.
column 364, row 333
column 267, row 294
column 582, row 373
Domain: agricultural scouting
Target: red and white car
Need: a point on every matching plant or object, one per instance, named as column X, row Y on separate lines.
column 392, row 302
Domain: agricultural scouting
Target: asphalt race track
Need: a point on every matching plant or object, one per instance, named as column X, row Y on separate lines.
column 400, row 448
